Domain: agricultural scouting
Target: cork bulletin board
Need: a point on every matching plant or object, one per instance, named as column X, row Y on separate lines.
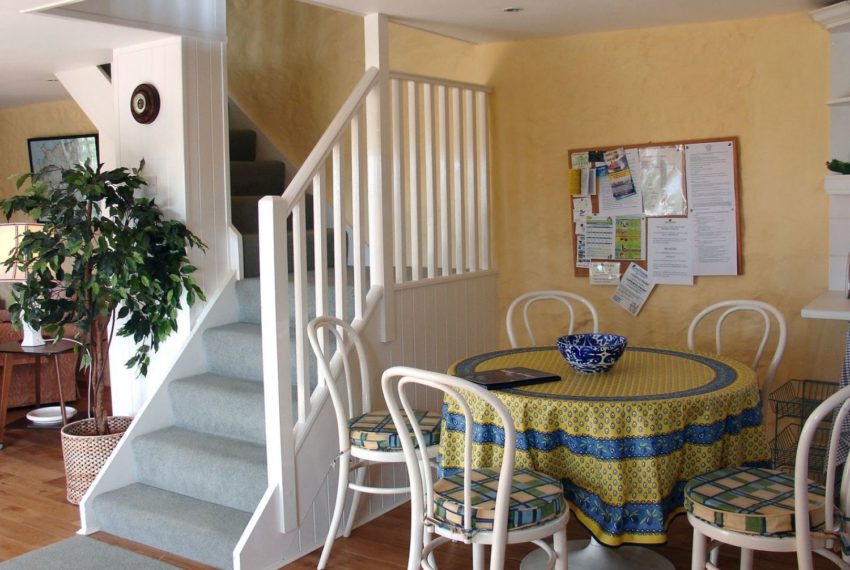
column 640, row 191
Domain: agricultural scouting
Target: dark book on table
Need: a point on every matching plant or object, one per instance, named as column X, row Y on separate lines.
column 510, row 377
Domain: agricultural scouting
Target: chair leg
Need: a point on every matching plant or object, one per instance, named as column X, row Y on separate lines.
column 355, row 502
column 714, row 555
column 746, row 559
column 417, row 536
column 699, row 551
column 427, row 538
column 560, row 547
column 339, row 506
column 479, row 556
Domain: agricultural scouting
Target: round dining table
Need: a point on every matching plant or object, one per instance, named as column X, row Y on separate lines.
column 623, row 442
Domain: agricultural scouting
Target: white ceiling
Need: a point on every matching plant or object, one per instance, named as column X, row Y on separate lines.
column 33, row 46
column 486, row 20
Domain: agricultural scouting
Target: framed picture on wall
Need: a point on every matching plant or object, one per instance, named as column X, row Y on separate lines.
column 61, row 152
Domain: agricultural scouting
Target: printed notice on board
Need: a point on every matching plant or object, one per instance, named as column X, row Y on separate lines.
column 599, row 237
column 670, row 251
column 633, row 290
column 710, row 180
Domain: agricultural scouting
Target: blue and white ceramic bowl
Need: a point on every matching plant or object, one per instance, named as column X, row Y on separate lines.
column 592, row 353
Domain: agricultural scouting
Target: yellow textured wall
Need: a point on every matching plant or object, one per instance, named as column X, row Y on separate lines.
column 291, row 65
column 763, row 80
column 41, row 120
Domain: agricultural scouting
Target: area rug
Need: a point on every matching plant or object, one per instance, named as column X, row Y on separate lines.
column 82, row 553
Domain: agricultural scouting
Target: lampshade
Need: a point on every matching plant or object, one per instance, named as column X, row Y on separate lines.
column 10, row 237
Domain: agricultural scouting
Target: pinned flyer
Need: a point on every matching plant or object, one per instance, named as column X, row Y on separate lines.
column 604, row 273
column 634, row 289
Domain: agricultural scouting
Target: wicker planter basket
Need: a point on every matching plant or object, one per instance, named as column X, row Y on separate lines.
column 85, row 452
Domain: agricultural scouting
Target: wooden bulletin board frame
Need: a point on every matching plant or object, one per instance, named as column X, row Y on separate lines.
column 584, row 272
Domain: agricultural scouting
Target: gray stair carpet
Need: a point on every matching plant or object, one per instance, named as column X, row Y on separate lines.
column 165, row 459
column 186, row 526
column 219, row 405
column 198, row 481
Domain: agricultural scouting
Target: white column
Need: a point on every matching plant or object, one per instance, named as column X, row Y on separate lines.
column 378, row 147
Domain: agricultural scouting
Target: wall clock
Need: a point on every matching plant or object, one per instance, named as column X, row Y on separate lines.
column 144, row 103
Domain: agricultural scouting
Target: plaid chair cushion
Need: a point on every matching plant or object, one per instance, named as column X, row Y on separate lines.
column 750, row 500
column 376, row 431
column 535, row 499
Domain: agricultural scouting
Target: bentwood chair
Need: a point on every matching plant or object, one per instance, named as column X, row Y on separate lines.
column 366, row 436
column 565, row 298
column 763, row 509
column 481, row 507
column 765, row 314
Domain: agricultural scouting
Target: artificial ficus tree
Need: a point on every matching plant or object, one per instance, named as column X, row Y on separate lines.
column 105, row 258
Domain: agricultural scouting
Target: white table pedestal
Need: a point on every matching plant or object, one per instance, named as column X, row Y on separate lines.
column 590, row 555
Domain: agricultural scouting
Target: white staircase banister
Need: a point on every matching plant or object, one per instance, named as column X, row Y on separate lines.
column 302, row 179
column 416, row 78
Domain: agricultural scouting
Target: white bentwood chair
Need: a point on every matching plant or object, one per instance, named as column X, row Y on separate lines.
column 765, row 310
column 764, row 509
column 526, row 300
column 366, row 436
column 481, row 507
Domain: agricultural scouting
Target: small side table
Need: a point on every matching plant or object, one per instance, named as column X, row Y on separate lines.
column 13, row 349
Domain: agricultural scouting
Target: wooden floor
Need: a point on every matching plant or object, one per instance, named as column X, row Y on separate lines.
column 34, row 513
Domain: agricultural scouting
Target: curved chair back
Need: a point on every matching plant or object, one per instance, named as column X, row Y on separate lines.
column 839, row 404
column 335, row 350
column 526, row 300
column 760, row 308
column 394, row 382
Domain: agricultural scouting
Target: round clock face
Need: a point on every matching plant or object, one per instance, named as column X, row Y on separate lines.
column 144, row 103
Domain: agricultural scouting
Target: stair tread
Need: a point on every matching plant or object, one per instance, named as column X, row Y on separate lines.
column 235, row 349
column 198, row 530
column 218, row 404
column 193, row 442
column 208, row 467
column 237, row 328
column 231, row 384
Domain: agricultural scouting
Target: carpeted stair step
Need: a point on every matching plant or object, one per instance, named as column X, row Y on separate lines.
column 248, row 293
column 219, row 405
column 259, row 177
column 194, row 529
column 251, row 252
column 235, row 349
column 244, row 213
column 232, row 472
column 243, row 144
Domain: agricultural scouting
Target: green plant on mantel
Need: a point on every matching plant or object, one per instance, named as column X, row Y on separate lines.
column 104, row 256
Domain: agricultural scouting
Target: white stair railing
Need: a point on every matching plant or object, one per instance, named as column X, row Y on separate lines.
column 333, row 179
column 440, row 228
column 440, row 171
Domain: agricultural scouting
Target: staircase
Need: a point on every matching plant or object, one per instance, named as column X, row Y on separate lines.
column 199, row 480
column 250, row 180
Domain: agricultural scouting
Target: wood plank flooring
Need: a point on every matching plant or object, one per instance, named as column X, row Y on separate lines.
column 34, row 513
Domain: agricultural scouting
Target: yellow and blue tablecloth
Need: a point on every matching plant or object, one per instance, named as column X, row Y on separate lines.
column 624, row 443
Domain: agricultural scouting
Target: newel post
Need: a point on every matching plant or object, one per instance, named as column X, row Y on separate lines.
column 274, row 291
column 378, row 147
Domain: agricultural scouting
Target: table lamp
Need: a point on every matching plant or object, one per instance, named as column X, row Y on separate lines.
column 10, row 236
